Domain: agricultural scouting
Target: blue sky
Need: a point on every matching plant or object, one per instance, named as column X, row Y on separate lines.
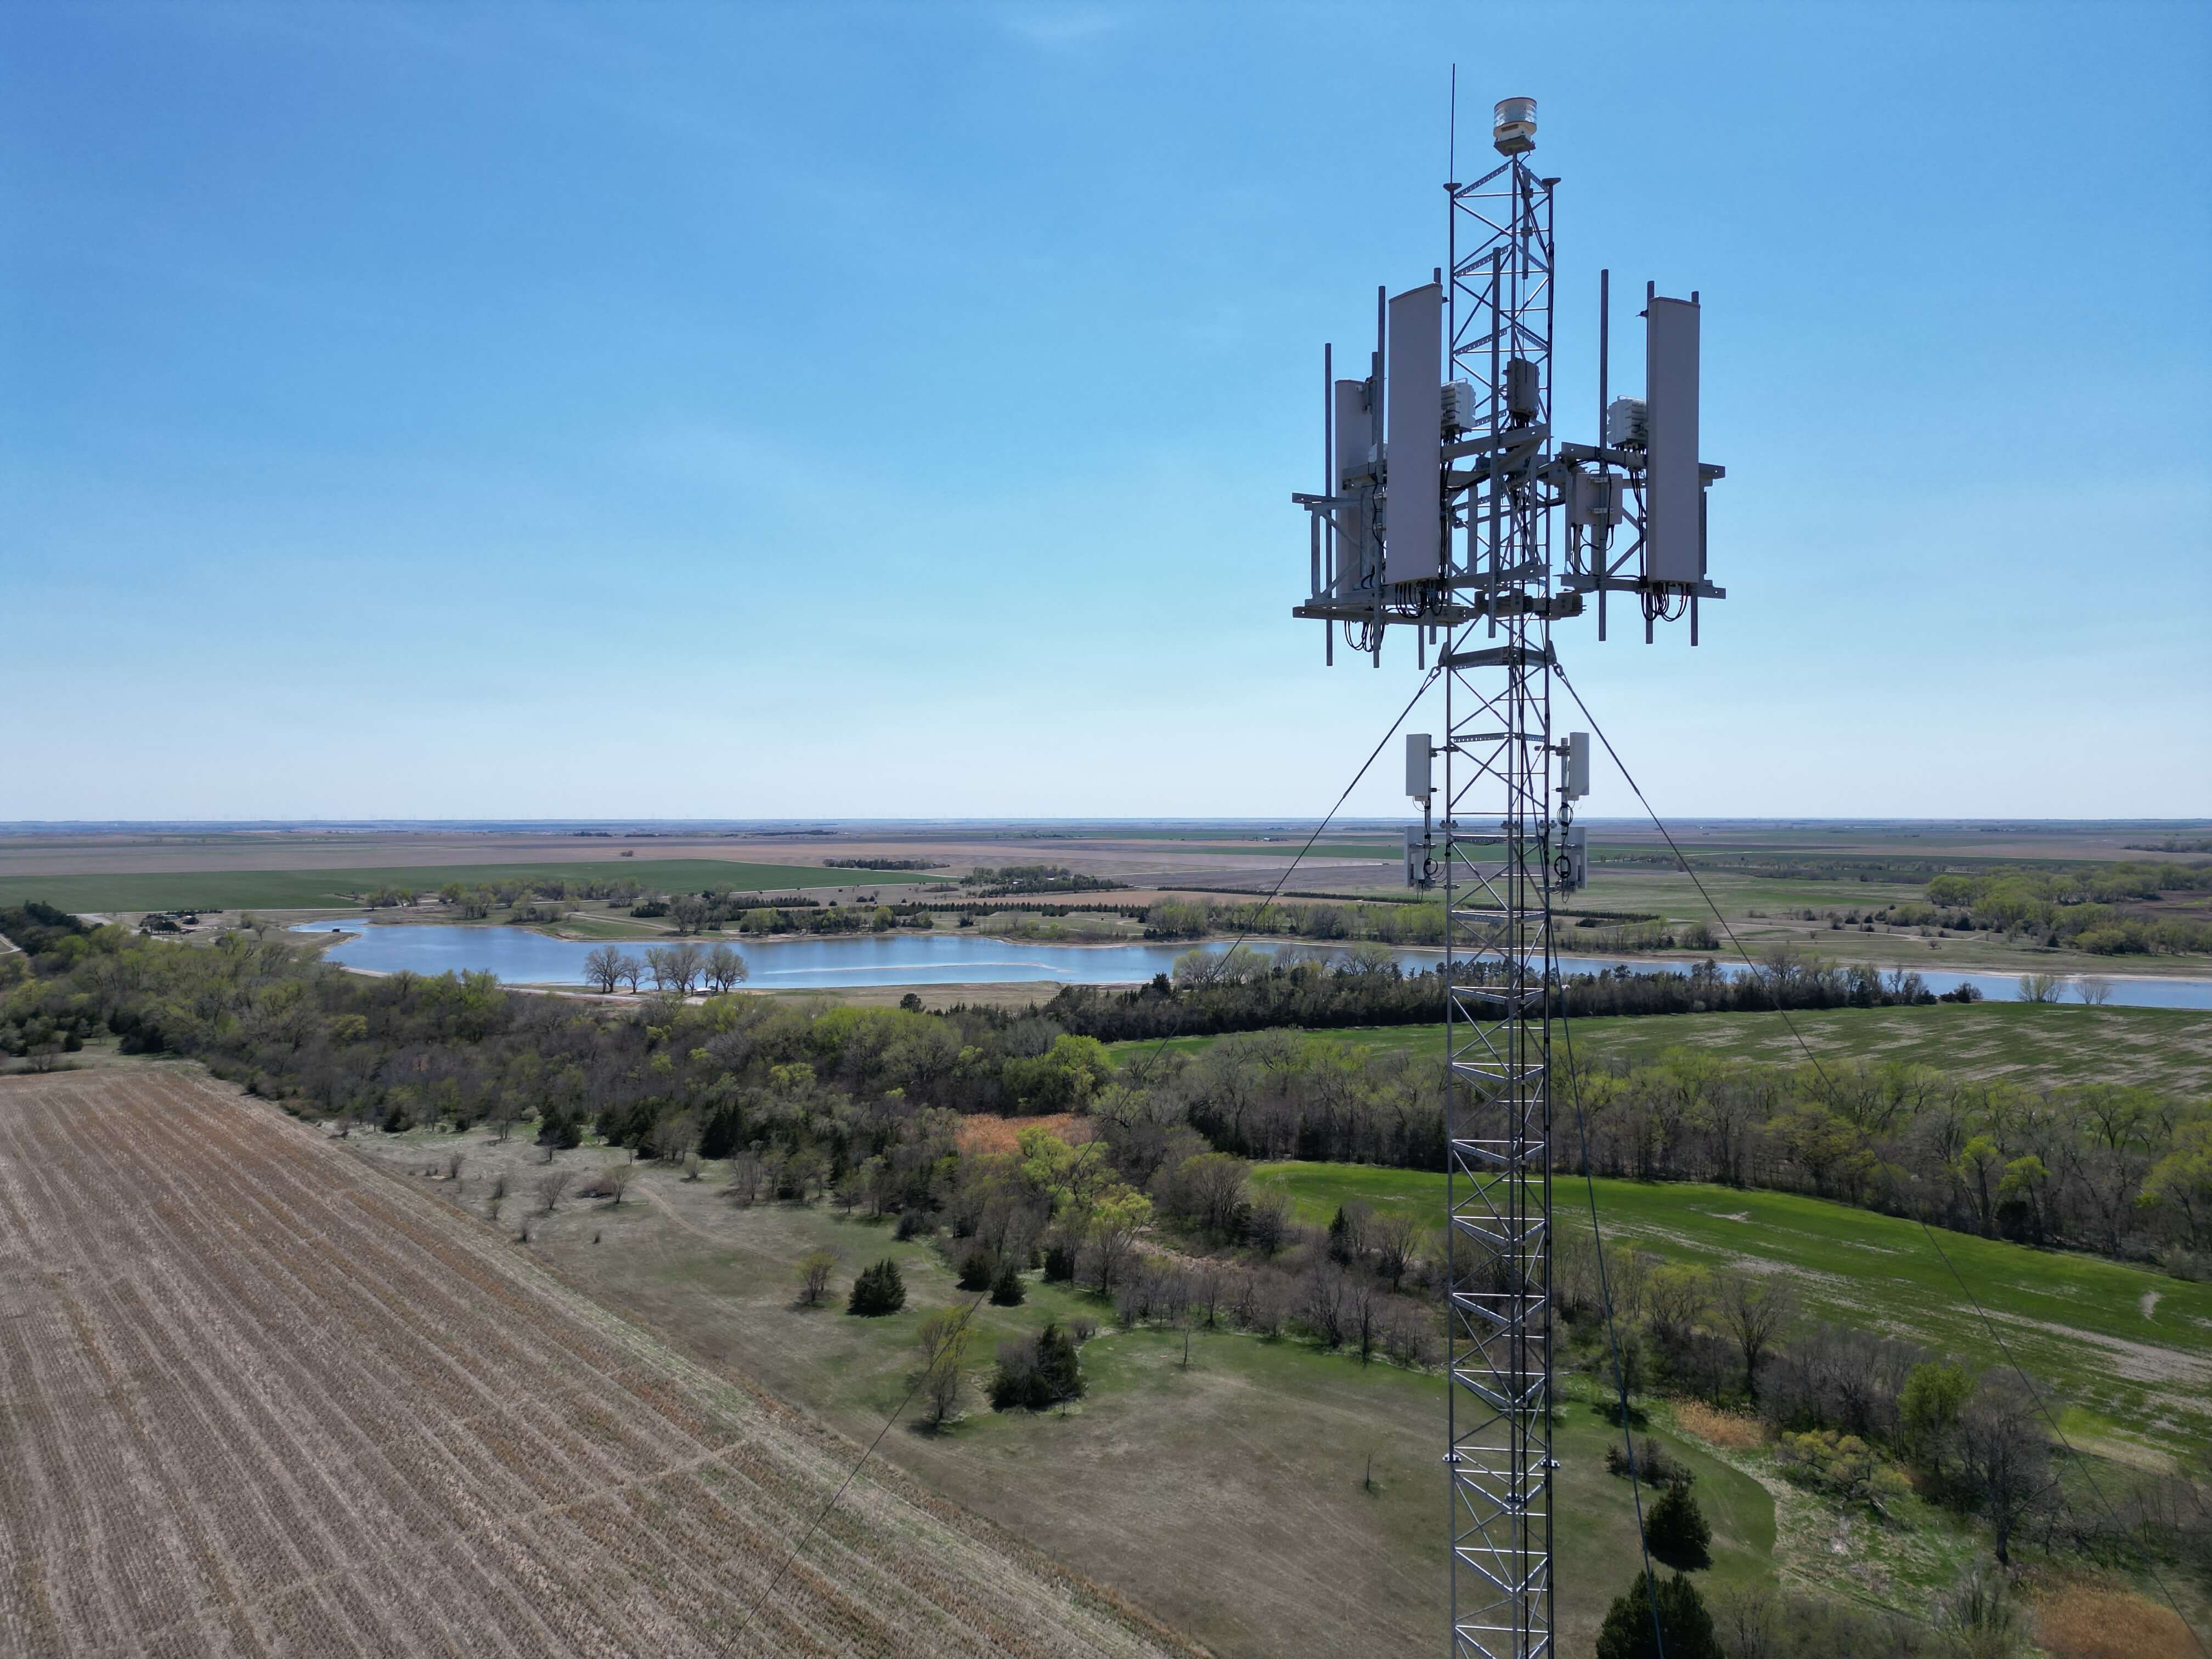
column 891, row 410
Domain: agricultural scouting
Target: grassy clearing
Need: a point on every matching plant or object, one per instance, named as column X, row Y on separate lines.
column 302, row 889
column 2128, row 1351
column 1230, row 1497
column 2041, row 1044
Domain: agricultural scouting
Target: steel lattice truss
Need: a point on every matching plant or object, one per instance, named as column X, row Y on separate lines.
column 1497, row 860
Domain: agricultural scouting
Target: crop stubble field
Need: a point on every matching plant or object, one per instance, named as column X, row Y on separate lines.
column 256, row 1396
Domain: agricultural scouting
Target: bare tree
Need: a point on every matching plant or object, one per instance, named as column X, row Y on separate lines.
column 1395, row 1237
column 1751, row 1620
column 746, row 1171
column 1320, row 1303
column 1268, row 1223
column 614, row 1181
column 674, row 1136
column 814, row 1270
column 603, row 969
column 1364, row 1309
column 1676, row 1299
column 2094, row 990
column 2004, row 1456
column 1210, row 1285
column 1755, row 1308
column 630, row 971
column 661, row 963
column 725, row 968
column 686, row 962
column 550, row 1186
column 942, row 1338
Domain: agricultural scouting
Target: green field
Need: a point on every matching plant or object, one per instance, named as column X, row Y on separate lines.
column 1253, row 1460
column 2041, row 1044
column 1322, row 850
column 308, row 889
column 2127, row 1350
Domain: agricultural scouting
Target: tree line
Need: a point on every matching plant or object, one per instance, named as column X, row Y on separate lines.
column 2124, row 1171
column 2079, row 909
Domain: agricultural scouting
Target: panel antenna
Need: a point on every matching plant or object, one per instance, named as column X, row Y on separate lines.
column 1449, row 508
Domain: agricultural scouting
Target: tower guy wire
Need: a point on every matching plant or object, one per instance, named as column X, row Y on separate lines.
column 1612, row 1331
column 899, row 1410
column 1919, row 1215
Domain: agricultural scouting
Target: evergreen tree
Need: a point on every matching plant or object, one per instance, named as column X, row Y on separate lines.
column 561, row 1129
column 879, row 1289
column 1686, row 1628
column 1008, row 1290
column 1677, row 1531
column 1060, row 1370
column 1037, row 1374
column 1339, row 1236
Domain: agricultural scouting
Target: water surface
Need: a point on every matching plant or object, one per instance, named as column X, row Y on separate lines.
column 522, row 957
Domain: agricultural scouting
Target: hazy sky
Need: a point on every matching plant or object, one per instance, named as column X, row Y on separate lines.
column 892, row 410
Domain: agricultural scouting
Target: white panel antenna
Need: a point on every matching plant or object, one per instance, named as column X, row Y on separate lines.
column 1673, row 509
column 1413, row 541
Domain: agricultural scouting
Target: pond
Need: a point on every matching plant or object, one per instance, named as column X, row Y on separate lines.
column 522, row 957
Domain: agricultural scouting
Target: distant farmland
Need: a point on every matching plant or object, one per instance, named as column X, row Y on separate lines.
column 263, row 1398
column 311, row 889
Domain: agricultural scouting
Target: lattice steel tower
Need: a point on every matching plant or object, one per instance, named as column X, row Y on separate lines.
column 1443, row 486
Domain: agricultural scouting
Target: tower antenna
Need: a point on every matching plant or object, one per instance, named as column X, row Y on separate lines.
column 1451, row 509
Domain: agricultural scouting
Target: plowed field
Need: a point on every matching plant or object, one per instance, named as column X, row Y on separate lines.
column 258, row 1397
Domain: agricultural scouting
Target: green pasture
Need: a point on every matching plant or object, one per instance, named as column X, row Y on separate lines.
column 2038, row 1044
column 1322, row 850
column 1161, row 1461
column 308, row 889
column 2127, row 1352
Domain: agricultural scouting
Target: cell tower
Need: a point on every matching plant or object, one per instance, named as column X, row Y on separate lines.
column 1444, row 481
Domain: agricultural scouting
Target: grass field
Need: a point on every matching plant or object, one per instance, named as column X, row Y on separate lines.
column 1229, row 1497
column 2129, row 1351
column 261, row 1397
column 307, row 889
column 2040, row 1044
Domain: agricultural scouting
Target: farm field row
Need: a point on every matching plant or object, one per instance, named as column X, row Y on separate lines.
column 304, row 890
column 266, row 1399
column 2129, row 1350
column 2038, row 1044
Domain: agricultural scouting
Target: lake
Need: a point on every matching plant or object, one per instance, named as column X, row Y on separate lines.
column 522, row 957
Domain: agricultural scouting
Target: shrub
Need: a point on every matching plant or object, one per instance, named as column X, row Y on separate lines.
column 910, row 1222
column 1037, row 1373
column 1654, row 1467
column 1686, row 1628
column 879, row 1289
column 1676, row 1530
column 1008, row 1290
column 1059, row 1263
column 1842, row 1465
